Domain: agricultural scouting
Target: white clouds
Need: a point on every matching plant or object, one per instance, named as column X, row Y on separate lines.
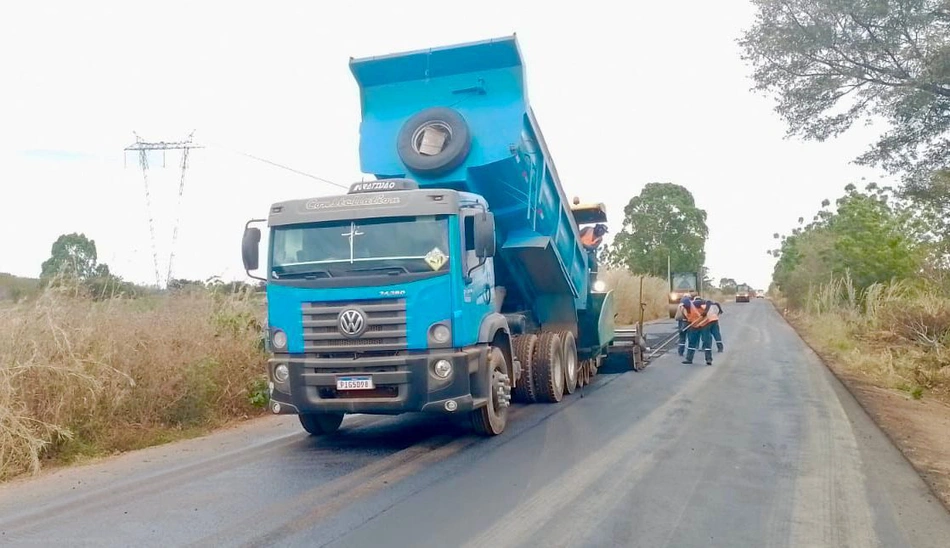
column 656, row 94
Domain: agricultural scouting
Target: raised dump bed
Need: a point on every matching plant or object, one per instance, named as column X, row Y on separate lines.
column 458, row 117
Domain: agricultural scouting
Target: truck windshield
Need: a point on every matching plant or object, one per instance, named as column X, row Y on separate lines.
column 337, row 249
column 684, row 281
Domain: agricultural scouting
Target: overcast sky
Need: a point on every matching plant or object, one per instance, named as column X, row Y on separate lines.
column 624, row 96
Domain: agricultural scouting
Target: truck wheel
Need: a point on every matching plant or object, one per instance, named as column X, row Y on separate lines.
column 570, row 361
column 440, row 122
column 549, row 368
column 525, row 348
column 491, row 419
column 321, row 424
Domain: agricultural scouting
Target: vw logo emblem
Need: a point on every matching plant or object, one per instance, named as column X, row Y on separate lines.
column 352, row 322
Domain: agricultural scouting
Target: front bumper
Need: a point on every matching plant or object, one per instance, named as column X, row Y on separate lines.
column 402, row 383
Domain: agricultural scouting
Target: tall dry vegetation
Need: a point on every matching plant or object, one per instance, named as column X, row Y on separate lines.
column 626, row 288
column 81, row 378
column 895, row 334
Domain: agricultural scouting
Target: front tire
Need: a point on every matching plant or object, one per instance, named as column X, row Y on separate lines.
column 491, row 419
column 321, row 424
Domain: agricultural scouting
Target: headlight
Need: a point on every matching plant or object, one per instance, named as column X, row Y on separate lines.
column 281, row 374
column 279, row 340
column 600, row 285
column 674, row 297
column 442, row 369
column 440, row 334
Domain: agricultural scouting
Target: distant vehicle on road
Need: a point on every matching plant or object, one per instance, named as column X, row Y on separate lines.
column 743, row 293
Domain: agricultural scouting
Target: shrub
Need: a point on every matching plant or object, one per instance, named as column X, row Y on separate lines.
column 85, row 378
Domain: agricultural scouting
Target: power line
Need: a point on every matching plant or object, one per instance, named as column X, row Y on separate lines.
column 281, row 166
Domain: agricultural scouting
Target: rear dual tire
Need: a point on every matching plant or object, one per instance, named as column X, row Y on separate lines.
column 549, row 368
column 525, row 348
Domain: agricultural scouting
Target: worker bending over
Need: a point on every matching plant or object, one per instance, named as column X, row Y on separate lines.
column 681, row 323
column 713, row 316
column 698, row 331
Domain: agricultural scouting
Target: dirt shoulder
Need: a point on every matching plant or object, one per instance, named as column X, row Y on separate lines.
column 920, row 429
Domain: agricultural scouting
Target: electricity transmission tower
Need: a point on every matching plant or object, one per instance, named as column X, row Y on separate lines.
column 143, row 148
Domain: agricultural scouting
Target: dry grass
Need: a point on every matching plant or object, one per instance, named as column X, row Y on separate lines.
column 81, row 378
column 626, row 287
column 894, row 335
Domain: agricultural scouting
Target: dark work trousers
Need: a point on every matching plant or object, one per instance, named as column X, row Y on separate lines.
column 695, row 338
column 716, row 334
column 681, row 326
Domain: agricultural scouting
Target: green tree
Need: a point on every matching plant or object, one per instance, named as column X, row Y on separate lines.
column 74, row 256
column 932, row 210
column 662, row 221
column 872, row 237
column 834, row 62
column 728, row 285
column 74, row 260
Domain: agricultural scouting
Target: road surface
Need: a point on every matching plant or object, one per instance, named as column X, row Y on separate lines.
column 764, row 448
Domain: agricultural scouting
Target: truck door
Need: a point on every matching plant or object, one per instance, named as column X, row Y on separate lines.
column 478, row 295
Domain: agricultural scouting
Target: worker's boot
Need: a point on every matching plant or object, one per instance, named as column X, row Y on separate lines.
column 719, row 347
column 709, row 356
column 689, row 357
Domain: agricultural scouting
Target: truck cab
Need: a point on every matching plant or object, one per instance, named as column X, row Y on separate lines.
column 453, row 283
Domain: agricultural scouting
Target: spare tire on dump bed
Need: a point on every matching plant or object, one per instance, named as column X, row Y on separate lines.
column 434, row 141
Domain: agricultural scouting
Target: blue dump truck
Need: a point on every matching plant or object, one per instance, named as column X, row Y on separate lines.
column 453, row 283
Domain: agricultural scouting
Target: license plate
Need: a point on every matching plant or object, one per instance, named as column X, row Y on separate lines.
column 354, row 383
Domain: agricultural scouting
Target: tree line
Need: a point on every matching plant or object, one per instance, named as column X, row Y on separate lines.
column 74, row 262
column 829, row 65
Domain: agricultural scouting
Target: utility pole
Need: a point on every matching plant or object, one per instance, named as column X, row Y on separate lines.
column 143, row 148
column 669, row 270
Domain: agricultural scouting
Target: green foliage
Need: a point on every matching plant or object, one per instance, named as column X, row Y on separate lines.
column 73, row 256
column 259, row 392
column 834, row 62
column 662, row 221
column 870, row 238
column 932, row 208
column 727, row 285
column 74, row 263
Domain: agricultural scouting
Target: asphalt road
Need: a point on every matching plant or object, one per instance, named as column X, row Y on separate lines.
column 764, row 448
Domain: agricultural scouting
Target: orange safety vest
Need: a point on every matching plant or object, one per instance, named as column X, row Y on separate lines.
column 588, row 238
column 695, row 316
column 711, row 316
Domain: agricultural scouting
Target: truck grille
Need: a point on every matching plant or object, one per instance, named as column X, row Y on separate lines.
column 385, row 328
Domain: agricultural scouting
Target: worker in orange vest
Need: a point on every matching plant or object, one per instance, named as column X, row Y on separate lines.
column 698, row 332
column 713, row 316
column 592, row 237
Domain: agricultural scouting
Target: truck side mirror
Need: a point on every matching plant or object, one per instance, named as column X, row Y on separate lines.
column 485, row 235
column 250, row 248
